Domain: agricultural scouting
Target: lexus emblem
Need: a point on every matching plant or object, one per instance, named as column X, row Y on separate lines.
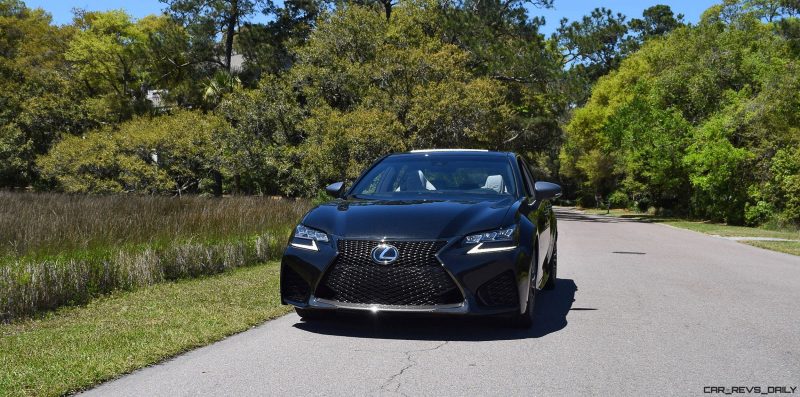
column 384, row 254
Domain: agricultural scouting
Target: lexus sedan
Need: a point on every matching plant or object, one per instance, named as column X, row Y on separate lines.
column 460, row 232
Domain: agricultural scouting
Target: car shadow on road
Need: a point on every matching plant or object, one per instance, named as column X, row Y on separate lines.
column 552, row 308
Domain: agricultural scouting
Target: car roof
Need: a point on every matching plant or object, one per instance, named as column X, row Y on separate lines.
column 453, row 152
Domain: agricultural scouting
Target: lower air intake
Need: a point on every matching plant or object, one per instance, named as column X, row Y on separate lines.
column 293, row 287
column 500, row 291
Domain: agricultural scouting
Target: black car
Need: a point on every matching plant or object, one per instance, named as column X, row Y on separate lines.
column 436, row 231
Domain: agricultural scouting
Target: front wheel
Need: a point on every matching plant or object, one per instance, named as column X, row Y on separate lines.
column 524, row 320
column 551, row 277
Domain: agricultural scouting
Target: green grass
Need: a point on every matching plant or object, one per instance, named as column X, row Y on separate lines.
column 616, row 212
column 718, row 229
column 733, row 231
column 787, row 247
column 77, row 347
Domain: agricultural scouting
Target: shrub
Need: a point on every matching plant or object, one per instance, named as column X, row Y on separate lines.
column 341, row 145
column 618, row 200
column 786, row 180
column 586, row 200
column 758, row 213
column 642, row 204
column 169, row 154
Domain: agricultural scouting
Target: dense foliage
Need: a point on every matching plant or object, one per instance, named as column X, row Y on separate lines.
column 703, row 121
column 647, row 111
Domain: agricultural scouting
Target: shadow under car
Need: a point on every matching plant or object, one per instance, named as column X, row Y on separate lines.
column 552, row 308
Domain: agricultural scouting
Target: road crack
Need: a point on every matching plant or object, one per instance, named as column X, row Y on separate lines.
column 410, row 363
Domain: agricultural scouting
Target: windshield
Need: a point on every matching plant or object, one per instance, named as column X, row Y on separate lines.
column 439, row 176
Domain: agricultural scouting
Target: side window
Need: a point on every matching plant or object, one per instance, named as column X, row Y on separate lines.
column 526, row 178
column 373, row 184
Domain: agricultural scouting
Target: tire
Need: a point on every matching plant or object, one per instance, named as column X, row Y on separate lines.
column 525, row 320
column 550, row 284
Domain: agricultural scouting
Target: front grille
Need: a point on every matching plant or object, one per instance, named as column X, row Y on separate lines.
column 293, row 286
column 416, row 278
column 500, row 291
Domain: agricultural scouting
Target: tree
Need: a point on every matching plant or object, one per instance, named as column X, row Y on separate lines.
column 354, row 60
column 117, row 59
column 595, row 45
column 269, row 48
column 258, row 150
column 656, row 21
column 107, row 51
column 217, row 86
column 362, row 79
column 771, row 10
column 713, row 139
column 217, row 16
column 174, row 154
column 173, row 61
column 39, row 100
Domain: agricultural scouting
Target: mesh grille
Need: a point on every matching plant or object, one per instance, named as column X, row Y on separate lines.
column 415, row 278
column 499, row 291
column 293, row 286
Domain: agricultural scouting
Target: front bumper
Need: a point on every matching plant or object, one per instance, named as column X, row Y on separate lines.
column 326, row 304
column 469, row 272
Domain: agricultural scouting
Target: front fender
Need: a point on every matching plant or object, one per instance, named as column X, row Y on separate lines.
column 527, row 268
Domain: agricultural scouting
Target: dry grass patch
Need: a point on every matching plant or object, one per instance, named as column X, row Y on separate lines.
column 41, row 224
column 64, row 249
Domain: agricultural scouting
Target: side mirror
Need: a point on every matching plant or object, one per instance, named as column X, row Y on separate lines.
column 335, row 189
column 546, row 190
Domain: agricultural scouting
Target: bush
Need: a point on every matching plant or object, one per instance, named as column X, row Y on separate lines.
column 171, row 154
column 586, row 200
column 642, row 205
column 341, row 145
column 618, row 200
column 786, row 180
column 758, row 213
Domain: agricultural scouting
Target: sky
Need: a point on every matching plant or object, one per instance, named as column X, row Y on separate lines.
column 570, row 9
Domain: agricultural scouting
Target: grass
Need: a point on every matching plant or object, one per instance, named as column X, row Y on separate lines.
column 733, row 231
column 59, row 250
column 718, row 229
column 787, row 247
column 37, row 224
column 77, row 347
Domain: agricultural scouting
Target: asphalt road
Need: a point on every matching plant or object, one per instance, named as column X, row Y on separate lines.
column 639, row 309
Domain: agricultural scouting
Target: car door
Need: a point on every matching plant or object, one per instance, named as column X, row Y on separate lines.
column 543, row 221
column 539, row 216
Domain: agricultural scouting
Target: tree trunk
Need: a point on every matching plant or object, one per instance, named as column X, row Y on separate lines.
column 387, row 7
column 217, row 183
column 233, row 20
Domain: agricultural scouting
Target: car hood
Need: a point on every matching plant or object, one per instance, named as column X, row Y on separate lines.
column 409, row 219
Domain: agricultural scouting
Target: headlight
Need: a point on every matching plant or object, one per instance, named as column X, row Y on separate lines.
column 306, row 238
column 308, row 233
column 505, row 234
